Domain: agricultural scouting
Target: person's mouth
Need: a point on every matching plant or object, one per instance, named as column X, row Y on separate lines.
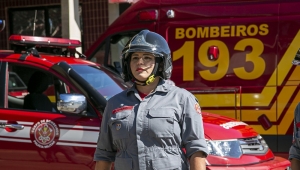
column 139, row 69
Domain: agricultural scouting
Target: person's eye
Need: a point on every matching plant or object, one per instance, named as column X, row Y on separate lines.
column 135, row 58
column 148, row 58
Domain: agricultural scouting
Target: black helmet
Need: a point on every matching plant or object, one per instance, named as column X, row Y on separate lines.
column 147, row 41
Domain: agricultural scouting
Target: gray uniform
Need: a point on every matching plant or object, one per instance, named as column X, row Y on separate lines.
column 151, row 133
column 295, row 148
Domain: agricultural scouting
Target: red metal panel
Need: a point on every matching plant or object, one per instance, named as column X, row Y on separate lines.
column 120, row 1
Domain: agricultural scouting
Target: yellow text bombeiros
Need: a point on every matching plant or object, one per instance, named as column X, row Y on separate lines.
column 222, row 31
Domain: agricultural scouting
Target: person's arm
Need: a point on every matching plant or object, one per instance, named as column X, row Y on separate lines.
column 193, row 133
column 105, row 151
column 103, row 165
column 197, row 161
column 294, row 153
column 295, row 163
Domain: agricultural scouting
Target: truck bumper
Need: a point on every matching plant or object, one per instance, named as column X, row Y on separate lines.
column 277, row 163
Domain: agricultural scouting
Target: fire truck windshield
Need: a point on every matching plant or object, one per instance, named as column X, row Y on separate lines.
column 106, row 85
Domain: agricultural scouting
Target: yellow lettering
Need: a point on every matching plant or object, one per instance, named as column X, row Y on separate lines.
column 221, row 64
column 253, row 56
column 179, row 33
column 240, row 29
column 214, row 32
column 225, row 31
column 190, row 32
column 263, row 29
column 186, row 51
column 233, row 31
column 222, row 31
column 202, row 32
column 250, row 28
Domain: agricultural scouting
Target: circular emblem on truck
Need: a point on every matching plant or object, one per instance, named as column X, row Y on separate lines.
column 44, row 133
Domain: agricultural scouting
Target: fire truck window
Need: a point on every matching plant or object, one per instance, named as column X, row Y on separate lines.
column 15, row 82
column 23, row 80
column 117, row 43
column 99, row 55
column 38, row 90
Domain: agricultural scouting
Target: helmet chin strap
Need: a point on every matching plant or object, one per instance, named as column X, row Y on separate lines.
column 152, row 76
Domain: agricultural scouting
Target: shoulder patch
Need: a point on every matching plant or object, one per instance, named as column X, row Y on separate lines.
column 197, row 108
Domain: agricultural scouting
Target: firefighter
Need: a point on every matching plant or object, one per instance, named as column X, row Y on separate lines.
column 151, row 124
column 294, row 154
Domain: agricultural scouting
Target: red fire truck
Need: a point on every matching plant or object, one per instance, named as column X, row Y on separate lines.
column 59, row 130
column 233, row 55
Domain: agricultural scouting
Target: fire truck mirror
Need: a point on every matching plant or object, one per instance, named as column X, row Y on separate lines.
column 264, row 121
column 296, row 60
column 2, row 25
column 72, row 103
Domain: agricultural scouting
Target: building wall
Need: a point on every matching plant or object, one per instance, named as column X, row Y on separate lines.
column 95, row 20
column 94, row 17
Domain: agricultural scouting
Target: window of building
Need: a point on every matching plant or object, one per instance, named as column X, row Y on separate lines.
column 42, row 21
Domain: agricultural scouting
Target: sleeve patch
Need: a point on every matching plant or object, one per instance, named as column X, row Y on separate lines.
column 121, row 109
column 197, row 108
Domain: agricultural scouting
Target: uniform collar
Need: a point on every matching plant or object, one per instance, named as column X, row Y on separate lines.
column 161, row 87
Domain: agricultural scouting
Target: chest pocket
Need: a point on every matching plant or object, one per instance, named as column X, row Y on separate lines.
column 119, row 124
column 161, row 122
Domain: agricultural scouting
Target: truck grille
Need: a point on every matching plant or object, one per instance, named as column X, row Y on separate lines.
column 254, row 145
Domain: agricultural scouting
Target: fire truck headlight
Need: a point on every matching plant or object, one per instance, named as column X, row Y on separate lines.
column 225, row 148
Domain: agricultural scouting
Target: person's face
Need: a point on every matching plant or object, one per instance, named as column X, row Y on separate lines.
column 142, row 65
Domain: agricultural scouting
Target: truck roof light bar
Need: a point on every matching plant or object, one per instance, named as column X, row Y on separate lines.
column 148, row 15
column 43, row 41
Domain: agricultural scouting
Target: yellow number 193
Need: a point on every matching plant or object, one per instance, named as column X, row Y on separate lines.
column 222, row 63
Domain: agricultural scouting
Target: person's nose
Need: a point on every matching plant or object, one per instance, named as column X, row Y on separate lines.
column 140, row 61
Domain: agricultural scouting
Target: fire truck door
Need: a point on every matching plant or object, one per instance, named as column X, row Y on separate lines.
column 55, row 137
